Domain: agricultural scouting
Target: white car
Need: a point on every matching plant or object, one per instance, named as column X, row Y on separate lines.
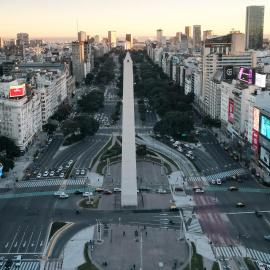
column 58, row 193
column 62, row 175
column 191, row 147
column 63, row 196
column 60, row 168
column 39, row 175
column 199, row 145
column 52, row 173
column 218, row 182
column 161, row 191
column 86, row 194
column 190, row 152
column 46, row 174
column 70, row 162
column 180, row 149
column 260, row 265
column 77, row 172
column 82, row 172
column 186, row 145
column 198, row 190
column 116, row 189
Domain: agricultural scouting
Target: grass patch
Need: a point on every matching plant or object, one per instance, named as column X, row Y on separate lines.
column 137, row 136
column 249, row 263
column 151, row 153
column 100, row 153
column 168, row 159
column 168, row 167
column 84, row 204
column 88, row 264
column 196, row 260
column 69, row 170
column 215, row 266
column 73, row 139
column 57, row 225
column 100, row 167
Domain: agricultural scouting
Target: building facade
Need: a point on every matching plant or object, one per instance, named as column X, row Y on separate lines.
column 197, row 36
column 112, row 37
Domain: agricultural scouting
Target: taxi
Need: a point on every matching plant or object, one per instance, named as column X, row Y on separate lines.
column 240, row 205
column 196, row 187
column 232, row 188
column 234, row 178
column 174, row 208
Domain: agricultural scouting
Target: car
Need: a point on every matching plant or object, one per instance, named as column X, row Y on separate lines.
column 60, row 168
column 62, row 174
column 213, row 182
column 191, row 147
column 77, row 172
column 240, row 205
column 196, row 187
column 180, row 149
column 82, row 172
column 99, row 189
column 235, row 158
column 232, row 188
column 50, row 140
column 57, row 173
column 45, row 173
column 1, row 261
column 228, row 177
column 257, row 174
column 199, row 190
column 239, row 179
column 260, row 265
column 107, row 192
column 87, row 193
column 67, row 165
column 238, row 175
column 258, row 213
column 64, row 170
column 39, row 175
column 174, row 208
column 267, row 237
column 78, row 192
column 27, row 169
column 161, row 191
column 234, row 178
column 226, row 148
column 63, row 196
column 186, row 145
column 218, row 181
column 199, row 145
column 70, row 162
column 28, row 176
column 8, row 264
column 117, row 189
column 178, row 189
column 59, row 192
column 190, row 152
column 144, row 188
column 18, row 260
column 52, row 173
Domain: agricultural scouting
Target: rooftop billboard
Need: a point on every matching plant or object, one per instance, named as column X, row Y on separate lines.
column 17, row 90
column 247, row 75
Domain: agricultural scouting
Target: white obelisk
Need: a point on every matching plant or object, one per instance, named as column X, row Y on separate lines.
column 129, row 182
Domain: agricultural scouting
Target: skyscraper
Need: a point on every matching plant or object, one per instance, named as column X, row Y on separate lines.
column 197, row 35
column 178, row 37
column 159, row 35
column 24, row 37
column 130, row 39
column 188, row 31
column 78, row 61
column 112, row 37
column 81, row 36
column 254, row 27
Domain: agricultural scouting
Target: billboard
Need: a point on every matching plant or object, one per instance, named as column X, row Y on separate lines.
column 230, row 110
column 260, row 80
column 256, row 118
column 265, row 127
column 17, row 91
column 255, row 141
column 247, row 75
column 228, row 72
column 264, row 156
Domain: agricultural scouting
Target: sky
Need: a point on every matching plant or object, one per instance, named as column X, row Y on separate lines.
column 58, row 18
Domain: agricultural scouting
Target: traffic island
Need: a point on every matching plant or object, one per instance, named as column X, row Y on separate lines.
column 86, row 205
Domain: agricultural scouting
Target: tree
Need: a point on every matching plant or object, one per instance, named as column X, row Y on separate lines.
column 49, row 128
column 141, row 150
column 69, row 127
column 8, row 164
column 8, row 145
column 89, row 78
column 87, row 124
column 62, row 113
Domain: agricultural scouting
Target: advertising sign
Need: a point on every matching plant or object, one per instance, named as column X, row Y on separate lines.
column 17, row 91
column 260, row 80
column 264, row 156
column 255, row 141
column 228, row 72
column 247, row 75
column 265, row 127
column 256, row 118
column 230, row 110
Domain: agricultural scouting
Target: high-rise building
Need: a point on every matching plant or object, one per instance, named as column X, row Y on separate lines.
column 1, row 44
column 97, row 38
column 188, row 31
column 178, row 37
column 159, row 35
column 24, row 37
column 81, row 36
column 112, row 37
column 78, row 61
column 197, row 35
column 129, row 38
column 254, row 27
column 207, row 34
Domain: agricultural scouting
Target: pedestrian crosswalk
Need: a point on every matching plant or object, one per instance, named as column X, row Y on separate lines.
column 224, row 174
column 40, row 183
column 33, row 265
column 258, row 255
column 227, row 252
column 194, row 179
column 76, row 182
column 192, row 224
column 52, row 265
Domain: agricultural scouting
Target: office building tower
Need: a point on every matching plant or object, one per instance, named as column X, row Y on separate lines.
column 188, row 31
column 78, row 61
column 207, row 34
column 1, row 44
column 96, row 39
column 178, row 37
column 159, row 35
column 254, row 27
column 24, row 37
column 81, row 36
column 129, row 38
column 197, row 35
column 112, row 37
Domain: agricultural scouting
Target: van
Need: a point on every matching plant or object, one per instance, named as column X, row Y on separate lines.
column 18, row 261
column 213, row 181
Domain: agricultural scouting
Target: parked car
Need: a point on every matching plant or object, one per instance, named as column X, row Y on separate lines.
column 82, row 172
column 107, row 192
column 45, row 173
column 178, row 189
column 199, row 145
column 62, row 174
column 144, row 188
column 60, row 168
column 39, row 175
column 1, row 261
column 52, row 173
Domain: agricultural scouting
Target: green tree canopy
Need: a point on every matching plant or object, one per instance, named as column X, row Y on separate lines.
column 87, row 124
column 8, row 145
column 49, row 128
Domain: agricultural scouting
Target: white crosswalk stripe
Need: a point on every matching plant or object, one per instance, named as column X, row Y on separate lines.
column 228, row 252
column 40, row 183
column 29, row 266
column 76, row 182
column 224, row 174
column 194, row 179
column 192, row 225
column 51, row 265
column 258, row 255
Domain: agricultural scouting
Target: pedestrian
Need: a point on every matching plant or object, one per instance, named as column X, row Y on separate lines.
column 134, row 265
column 146, row 233
column 112, row 180
column 144, row 227
column 124, row 233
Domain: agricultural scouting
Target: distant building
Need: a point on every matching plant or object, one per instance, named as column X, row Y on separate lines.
column 130, row 39
column 254, row 27
column 1, row 44
column 178, row 37
column 197, row 35
column 112, row 37
column 207, row 34
column 159, row 35
column 24, row 37
column 96, row 39
column 188, row 31
column 81, row 36
column 78, row 61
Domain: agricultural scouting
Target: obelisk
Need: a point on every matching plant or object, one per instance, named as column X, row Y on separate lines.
column 129, row 182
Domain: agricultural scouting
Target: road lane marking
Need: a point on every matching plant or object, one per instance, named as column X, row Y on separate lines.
column 31, row 237
column 38, row 237
column 14, row 238
column 6, row 245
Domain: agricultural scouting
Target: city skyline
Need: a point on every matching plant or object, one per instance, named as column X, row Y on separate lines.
column 99, row 18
